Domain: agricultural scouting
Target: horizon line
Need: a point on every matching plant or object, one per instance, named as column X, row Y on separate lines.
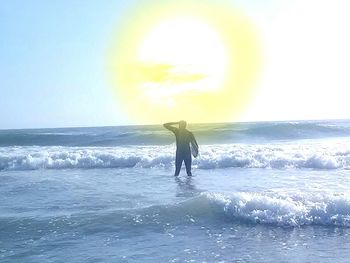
column 156, row 124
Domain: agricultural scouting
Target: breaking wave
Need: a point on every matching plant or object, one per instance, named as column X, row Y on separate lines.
column 279, row 156
column 275, row 209
column 285, row 209
column 278, row 209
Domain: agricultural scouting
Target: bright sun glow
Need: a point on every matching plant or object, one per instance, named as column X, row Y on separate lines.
column 193, row 62
column 185, row 68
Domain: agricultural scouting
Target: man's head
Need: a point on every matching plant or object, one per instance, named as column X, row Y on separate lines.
column 182, row 125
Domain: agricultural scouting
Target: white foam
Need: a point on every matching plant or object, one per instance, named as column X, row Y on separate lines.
column 317, row 156
column 285, row 209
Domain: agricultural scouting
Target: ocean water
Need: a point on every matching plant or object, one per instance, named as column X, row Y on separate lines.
column 261, row 192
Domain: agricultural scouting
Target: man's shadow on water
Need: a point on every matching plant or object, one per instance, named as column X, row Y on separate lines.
column 186, row 187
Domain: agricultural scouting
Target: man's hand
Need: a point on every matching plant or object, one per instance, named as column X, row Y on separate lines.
column 169, row 126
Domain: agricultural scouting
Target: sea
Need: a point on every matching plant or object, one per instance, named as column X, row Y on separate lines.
column 260, row 192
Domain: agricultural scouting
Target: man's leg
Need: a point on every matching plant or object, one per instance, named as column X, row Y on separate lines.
column 178, row 163
column 188, row 163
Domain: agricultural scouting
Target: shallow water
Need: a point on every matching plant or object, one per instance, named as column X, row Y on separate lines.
column 129, row 215
column 253, row 197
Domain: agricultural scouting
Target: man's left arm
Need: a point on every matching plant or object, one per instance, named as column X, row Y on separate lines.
column 194, row 139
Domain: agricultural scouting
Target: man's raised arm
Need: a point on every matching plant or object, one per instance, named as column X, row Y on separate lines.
column 169, row 127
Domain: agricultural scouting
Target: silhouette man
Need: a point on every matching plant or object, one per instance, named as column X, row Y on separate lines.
column 183, row 150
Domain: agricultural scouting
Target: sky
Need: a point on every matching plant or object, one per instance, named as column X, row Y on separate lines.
column 53, row 61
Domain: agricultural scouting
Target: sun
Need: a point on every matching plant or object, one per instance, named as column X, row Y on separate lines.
column 189, row 61
column 176, row 62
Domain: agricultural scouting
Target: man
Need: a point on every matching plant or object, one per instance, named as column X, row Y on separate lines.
column 183, row 150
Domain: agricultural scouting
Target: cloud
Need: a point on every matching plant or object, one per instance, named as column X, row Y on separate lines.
column 166, row 73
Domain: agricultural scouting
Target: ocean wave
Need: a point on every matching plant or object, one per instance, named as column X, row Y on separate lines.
column 157, row 135
column 277, row 209
column 283, row 156
column 257, row 208
column 285, row 209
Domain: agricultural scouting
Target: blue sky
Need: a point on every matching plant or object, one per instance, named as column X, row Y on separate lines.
column 52, row 65
column 53, row 61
